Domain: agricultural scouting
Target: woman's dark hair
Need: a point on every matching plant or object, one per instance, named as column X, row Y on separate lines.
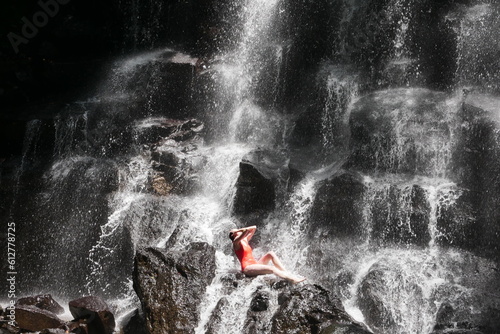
column 231, row 236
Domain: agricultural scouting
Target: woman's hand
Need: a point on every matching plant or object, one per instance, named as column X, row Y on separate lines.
column 253, row 227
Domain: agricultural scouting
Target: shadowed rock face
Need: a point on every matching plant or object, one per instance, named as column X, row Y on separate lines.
column 44, row 302
column 32, row 318
column 475, row 167
column 283, row 308
column 310, row 309
column 400, row 131
column 336, row 208
column 171, row 284
column 262, row 180
column 96, row 313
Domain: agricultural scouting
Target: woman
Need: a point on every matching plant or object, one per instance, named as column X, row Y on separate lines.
column 250, row 266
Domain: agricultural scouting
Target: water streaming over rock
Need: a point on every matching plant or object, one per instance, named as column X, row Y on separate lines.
column 372, row 196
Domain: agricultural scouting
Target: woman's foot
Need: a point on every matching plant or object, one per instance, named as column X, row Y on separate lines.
column 298, row 280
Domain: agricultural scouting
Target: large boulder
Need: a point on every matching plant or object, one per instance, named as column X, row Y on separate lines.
column 44, row 302
column 337, row 208
column 457, row 220
column 97, row 313
column 476, row 167
column 258, row 319
column 152, row 131
column 371, row 302
column 401, row 131
column 263, row 178
column 400, row 213
column 32, row 318
column 134, row 323
column 173, row 154
column 310, row 309
column 171, row 285
column 214, row 324
column 477, row 47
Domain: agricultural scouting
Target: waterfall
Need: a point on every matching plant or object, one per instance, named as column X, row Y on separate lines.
column 380, row 191
column 244, row 73
column 70, row 134
column 29, row 155
column 476, row 46
column 341, row 91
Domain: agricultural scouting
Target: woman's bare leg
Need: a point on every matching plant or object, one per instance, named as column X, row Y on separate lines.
column 264, row 269
column 271, row 256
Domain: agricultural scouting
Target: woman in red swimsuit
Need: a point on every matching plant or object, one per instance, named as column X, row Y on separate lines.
column 250, row 266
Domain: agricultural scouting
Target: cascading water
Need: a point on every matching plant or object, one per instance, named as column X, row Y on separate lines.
column 365, row 209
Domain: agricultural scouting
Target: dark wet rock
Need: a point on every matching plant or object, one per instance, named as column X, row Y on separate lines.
column 345, row 329
column 32, row 318
column 371, row 302
column 263, row 178
column 454, row 330
column 444, row 314
column 159, row 87
column 397, row 130
column 134, row 323
column 457, row 317
column 384, row 284
column 457, row 221
column 308, row 309
column 476, row 66
column 97, row 313
column 258, row 320
column 260, row 302
column 296, row 175
column 6, row 328
column 400, row 215
column 78, row 327
column 170, row 285
column 232, row 280
column 318, row 19
column 173, row 156
column 254, row 191
column 445, row 326
column 214, row 324
column 307, row 129
column 373, row 26
column 165, row 158
column 177, row 175
column 476, row 167
column 54, row 331
column 44, row 302
column 337, row 208
column 157, row 130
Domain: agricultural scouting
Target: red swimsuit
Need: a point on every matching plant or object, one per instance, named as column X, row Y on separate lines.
column 244, row 254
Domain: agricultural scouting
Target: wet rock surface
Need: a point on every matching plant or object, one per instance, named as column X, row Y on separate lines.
column 214, row 324
column 263, row 177
column 170, row 285
column 97, row 313
column 174, row 158
column 32, row 318
column 475, row 166
column 44, row 302
column 134, row 323
column 371, row 301
column 396, row 131
column 407, row 225
column 336, row 208
column 309, row 309
column 258, row 318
